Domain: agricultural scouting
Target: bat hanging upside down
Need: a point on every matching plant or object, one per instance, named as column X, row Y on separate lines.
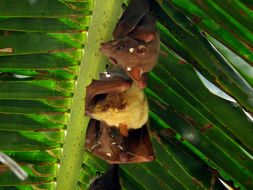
column 117, row 102
column 118, row 132
column 137, row 43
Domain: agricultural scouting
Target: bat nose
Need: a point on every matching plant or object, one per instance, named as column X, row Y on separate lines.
column 87, row 113
column 102, row 47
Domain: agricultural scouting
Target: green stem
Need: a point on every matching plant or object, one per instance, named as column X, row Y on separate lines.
column 103, row 20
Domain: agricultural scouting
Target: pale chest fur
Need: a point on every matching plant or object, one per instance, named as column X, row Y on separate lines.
column 134, row 114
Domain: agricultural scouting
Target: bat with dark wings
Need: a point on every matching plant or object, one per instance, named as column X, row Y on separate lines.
column 118, row 131
column 136, row 42
column 108, row 181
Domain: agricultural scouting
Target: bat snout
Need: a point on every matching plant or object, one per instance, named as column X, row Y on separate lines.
column 108, row 47
column 104, row 45
column 101, row 48
column 104, row 48
column 88, row 113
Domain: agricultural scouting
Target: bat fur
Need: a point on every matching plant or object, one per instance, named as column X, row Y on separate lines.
column 117, row 102
column 128, row 107
column 137, row 43
column 118, row 131
column 108, row 181
column 109, row 144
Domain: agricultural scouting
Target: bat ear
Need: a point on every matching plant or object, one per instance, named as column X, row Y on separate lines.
column 145, row 31
column 92, row 130
column 135, row 73
column 127, row 24
column 139, row 78
column 143, row 35
column 143, row 82
column 123, row 129
column 113, row 84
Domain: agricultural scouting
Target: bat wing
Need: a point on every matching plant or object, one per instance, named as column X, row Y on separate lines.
column 113, row 83
column 108, row 181
column 126, row 25
column 108, row 144
column 132, row 16
column 145, row 31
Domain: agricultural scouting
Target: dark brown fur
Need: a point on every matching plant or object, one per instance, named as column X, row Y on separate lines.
column 108, row 144
column 137, row 43
column 112, row 143
column 108, row 181
column 117, row 102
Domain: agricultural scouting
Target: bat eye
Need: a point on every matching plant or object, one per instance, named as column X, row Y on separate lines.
column 122, row 106
column 112, row 135
column 140, row 49
column 99, row 134
column 106, row 107
column 112, row 132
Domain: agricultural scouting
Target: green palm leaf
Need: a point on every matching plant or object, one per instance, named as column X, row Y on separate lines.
column 47, row 59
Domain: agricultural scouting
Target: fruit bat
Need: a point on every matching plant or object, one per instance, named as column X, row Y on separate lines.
column 137, row 43
column 110, row 145
column 117, row 102
column 118, row 132
column 108, row 181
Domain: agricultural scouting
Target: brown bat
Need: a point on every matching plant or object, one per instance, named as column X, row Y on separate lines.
column 137, row 43
column 136, row 21
column 110, row 145
column 118, row 132
column 108, row 181
column 117, row 102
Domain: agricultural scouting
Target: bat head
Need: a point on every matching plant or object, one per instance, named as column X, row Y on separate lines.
column 103, row 140
column 98, row 90
column 108, row 144
column 134, row 56
column 125, row 109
